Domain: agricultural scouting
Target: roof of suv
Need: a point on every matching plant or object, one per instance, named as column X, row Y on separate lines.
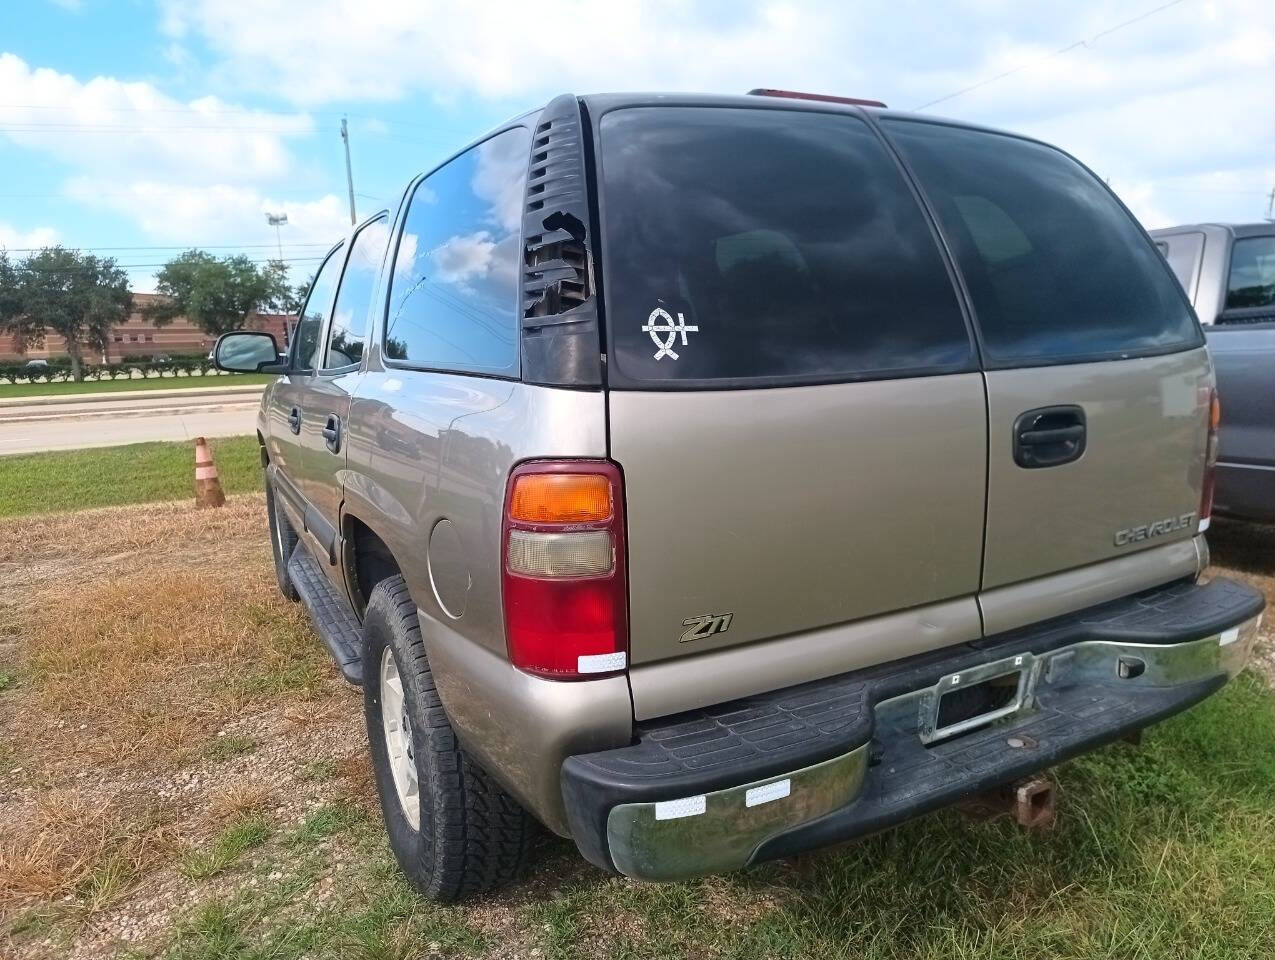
column 1237, row 230
column 598, row 103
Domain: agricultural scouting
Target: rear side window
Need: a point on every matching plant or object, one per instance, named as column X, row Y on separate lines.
column 751, row 247
column 1252, row 279
column 1056, row 269
column 454, row 290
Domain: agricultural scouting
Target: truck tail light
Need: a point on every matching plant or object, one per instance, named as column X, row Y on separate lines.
column 564, row 582
column 1210, row 461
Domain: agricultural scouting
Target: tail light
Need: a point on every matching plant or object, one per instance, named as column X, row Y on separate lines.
column 1210, row 461
column 565, row 587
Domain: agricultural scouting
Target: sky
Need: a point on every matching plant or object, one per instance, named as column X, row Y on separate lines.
column 140, row 128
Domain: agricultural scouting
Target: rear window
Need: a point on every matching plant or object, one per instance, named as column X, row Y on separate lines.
column 750, row 247
column 1252, row 279
column 1056, row 269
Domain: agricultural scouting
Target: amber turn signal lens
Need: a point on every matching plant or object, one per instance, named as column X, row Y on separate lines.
column 561, row 498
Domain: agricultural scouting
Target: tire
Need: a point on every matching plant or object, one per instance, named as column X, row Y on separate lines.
column 469, row 836
column 283, row 540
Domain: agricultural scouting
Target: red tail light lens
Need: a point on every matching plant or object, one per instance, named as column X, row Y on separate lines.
column 565, row 586
column 1210, row 461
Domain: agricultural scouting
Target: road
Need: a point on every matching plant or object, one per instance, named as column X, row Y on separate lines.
column 30, row 425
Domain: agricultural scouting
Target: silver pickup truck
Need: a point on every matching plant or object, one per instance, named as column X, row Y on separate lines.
column 714, row 478
column 1228, row 272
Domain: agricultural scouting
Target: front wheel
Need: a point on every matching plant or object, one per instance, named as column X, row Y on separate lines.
column 453, row 830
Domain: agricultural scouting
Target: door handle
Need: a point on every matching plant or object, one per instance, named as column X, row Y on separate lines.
column 1049, row 436
column 332, row 433
column 294, row 420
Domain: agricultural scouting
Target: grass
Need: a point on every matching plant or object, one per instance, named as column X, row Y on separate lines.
column 66, row 387
column 227, row 847
column 111, row 476
column 145, row 632
column 230, row 746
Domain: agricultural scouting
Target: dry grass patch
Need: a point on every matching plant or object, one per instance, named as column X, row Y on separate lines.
column 150, row 664
column 239, row 801
column 66, row 843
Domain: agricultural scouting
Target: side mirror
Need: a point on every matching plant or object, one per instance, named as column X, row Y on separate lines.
column 248, row 351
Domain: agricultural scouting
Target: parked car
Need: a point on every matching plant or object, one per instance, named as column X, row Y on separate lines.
column 1229, row 274
column 714, row 478
column 37, row 364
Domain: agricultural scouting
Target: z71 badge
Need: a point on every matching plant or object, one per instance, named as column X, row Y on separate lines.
column 701, row 627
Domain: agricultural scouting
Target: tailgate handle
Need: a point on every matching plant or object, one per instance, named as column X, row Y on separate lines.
column 1049, row 436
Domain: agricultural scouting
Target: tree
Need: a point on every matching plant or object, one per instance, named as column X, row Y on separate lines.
column 216, row 294
column 74, row 295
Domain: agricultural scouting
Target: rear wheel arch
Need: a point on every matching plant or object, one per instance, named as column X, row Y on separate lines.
column 368, row 560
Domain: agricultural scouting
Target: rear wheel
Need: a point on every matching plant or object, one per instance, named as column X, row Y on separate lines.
column 283, row 540
column 453, row 830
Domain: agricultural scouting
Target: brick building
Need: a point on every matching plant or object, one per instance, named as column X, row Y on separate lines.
column 138, row 336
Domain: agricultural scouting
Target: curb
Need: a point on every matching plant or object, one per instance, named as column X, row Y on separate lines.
column 227, row 407
column 115, row 395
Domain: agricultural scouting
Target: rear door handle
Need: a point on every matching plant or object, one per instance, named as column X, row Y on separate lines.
column 294, row 420
column 1049, row 436
column 332, row 433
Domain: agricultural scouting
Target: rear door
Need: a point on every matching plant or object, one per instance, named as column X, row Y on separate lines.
column 326, row 414
column 793, row 396
column 1097, row 379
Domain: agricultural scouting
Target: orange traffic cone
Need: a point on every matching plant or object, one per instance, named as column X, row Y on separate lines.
column 207, row 486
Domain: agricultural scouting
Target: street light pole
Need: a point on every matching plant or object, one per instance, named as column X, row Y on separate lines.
column 349, row 175
column 277, row 220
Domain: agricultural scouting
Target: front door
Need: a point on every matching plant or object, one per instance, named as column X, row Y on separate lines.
column 291, row 394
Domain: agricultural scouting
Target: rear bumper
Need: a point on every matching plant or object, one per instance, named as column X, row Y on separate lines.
column 809, row 766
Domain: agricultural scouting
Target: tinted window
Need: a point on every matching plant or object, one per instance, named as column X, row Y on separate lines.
column 767, row 246
column 310, row 324
column 454, row 293
column 1252, row 279
column 1056, row 269
column 350, row 313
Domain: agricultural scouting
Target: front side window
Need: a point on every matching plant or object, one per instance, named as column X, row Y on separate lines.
column 350, row 313
column 1252, row 279
column 753, row 247
column 454, row 290
column 1056, row 269
column 310, row 323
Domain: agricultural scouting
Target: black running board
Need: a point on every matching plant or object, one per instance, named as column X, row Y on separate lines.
column 333, row 620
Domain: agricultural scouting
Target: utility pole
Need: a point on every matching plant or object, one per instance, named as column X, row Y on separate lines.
column 276, row 220
column 349, row 176
column 1270, row 206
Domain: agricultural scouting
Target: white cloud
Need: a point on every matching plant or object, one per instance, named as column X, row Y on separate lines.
column 114, row 128
column 463, row 258
column 1181, row 93
column 11, row 238
column 219, row 214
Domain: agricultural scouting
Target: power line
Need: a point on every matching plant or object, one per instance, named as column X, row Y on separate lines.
column 143, row 266
column 187, row 246
column 1049, row 56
